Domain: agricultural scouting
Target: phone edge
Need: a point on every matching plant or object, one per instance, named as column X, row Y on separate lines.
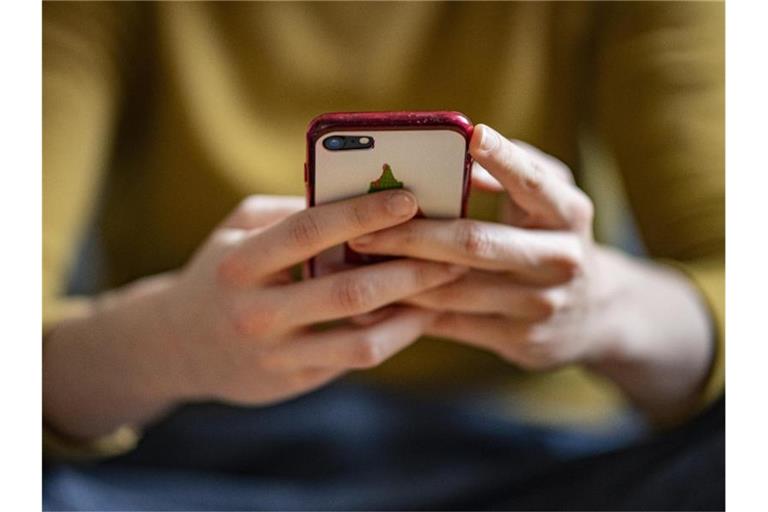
column 396, row 120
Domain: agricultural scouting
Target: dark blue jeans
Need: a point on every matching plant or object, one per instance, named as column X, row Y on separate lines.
column 350, row 448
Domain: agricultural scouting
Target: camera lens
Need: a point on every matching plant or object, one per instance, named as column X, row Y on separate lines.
column 334, row 142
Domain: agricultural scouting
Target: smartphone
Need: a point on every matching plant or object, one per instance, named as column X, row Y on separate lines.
column 355, row 153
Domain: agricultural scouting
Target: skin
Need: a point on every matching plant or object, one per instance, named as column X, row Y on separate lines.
column 542, row 293
column 232, row 326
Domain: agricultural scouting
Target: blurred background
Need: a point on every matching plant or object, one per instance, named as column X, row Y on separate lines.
column 161, row 117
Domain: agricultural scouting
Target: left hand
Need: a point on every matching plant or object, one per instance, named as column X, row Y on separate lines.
column 531, row 289
column 541, row 293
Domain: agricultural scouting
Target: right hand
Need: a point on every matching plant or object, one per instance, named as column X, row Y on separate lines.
column 241, row 328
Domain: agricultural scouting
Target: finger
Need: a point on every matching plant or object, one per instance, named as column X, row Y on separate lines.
column 532, row 182
column 375, row 316
column 261, row 211
column 512, row 214
column 499, row 335
column 353, row 347
column 554, row 164
column 487, row 293
column 296, row 383
column 341, row 295
column 544, row 257
column 311, row 231
column 483, row 180
column 280, row 278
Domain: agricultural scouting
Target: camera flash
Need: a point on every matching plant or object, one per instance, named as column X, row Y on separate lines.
column 365, row 140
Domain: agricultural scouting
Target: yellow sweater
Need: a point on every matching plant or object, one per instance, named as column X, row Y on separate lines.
column 159, row 117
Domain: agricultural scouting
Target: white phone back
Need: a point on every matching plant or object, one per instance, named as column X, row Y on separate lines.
column 430, row 163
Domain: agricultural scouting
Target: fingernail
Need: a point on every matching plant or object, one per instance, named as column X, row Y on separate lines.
column 400, row 204
column 457, row 269
column 488, row 139
column 362, row 240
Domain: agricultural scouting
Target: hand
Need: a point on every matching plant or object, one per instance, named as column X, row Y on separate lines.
column 542, row 294
column 531, row 289
column 244, row 327
column 233, row 326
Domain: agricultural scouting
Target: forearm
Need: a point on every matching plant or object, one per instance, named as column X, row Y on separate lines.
column 113, row 366
column 658, row 338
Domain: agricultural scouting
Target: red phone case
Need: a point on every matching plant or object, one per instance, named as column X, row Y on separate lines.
column 339, row 121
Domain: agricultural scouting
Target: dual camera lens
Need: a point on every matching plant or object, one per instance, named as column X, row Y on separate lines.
column 342, row 142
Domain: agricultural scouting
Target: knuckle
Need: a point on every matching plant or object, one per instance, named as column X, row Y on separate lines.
column 249, row 203
column 231, row 270
column 304, row 231
column 450, row 294
column 533, row 177
column 570, row 263
column 247, row 213
column 353, row 294
column 583, row 210
column 538, row 353
column 472, row 239
column 360, row 215
column 446, row 322
column 565, row 172
column 408, row 235
column 224, row 238
column 423, row 275
column 256, row 321
column 545, row 305
column 509, row 153
column 368, row 352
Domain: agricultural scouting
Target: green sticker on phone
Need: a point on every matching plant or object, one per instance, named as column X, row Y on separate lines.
column 386, row 181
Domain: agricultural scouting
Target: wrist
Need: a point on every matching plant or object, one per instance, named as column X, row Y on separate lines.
column 112, row 366
column 159, row 340
column 656, row 335
column 190, row 376
column 614, row 327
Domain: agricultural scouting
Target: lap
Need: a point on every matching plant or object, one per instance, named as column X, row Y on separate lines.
column 347, row 447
